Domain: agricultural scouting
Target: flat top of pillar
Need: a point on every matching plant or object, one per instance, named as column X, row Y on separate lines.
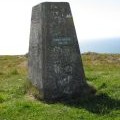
column 54, row 2
column 47, row 3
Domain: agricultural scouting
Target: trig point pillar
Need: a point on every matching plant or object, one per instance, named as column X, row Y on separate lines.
column 54, row 62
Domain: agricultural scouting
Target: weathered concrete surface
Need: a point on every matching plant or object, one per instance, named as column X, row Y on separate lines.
column 55, row 64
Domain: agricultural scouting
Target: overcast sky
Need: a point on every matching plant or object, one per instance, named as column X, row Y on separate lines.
column 93, row 19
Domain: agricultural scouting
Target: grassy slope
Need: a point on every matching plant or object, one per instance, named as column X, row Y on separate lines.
column 102, row 71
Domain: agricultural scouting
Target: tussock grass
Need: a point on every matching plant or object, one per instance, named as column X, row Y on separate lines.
column 32, row 90
column 17, row 103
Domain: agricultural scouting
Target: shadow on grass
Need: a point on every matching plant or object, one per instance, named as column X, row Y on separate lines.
column 98, row 104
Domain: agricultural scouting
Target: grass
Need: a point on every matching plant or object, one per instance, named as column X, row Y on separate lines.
column 101, row 70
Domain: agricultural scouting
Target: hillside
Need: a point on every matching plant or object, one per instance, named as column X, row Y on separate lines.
column 101, row 70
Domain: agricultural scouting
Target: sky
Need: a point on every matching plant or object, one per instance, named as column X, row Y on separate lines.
column 94, row 20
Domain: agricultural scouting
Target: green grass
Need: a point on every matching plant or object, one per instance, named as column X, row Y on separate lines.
column 101, row 70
